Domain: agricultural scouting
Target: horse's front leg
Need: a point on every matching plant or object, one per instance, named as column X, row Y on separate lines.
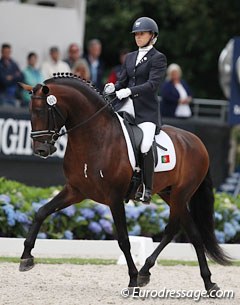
column 65, row 198
column 119, row 217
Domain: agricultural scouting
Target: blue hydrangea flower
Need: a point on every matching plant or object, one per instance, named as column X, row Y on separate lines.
column 5, row 199
column 218, row 216
column 102, row 210
column 69, row 211
column 80, row 219
column 44, row 201
column 152, row 206
column 36, row 206
column 153, row 215
column 141, row 208
column 229, row 230
column 236, row 215
column 22, row 218
column 87, row 213
column 95, row 227
column 235, row 224
column 42, row 235
column 220, row 236
column 136, row 230
column 68, row 234
column 10, row 213
column 165, row 213
column 132, row 212
column 106, row 225
column 162, row 224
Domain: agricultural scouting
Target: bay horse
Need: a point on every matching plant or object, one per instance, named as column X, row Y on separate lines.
column 96, row 166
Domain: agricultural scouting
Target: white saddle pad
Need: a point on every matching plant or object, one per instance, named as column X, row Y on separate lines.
column 166, row 159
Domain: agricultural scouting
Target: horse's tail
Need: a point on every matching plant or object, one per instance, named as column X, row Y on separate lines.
column 202, row 211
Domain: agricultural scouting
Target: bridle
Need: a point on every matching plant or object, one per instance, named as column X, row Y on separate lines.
column 50, row 136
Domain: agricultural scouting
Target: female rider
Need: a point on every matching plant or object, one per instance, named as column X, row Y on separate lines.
column 142, row 74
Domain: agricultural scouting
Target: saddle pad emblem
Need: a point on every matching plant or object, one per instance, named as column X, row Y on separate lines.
column 165, row 159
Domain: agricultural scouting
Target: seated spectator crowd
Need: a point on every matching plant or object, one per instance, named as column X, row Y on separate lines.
column 89, row 67
column 175, row 92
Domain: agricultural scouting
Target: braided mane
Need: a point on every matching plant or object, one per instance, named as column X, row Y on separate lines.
column 74, row 76
column 76, row 82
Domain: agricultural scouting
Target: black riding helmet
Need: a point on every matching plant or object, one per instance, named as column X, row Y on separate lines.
column 145, row 24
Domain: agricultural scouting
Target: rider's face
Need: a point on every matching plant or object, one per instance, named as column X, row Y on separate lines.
column 142, row 38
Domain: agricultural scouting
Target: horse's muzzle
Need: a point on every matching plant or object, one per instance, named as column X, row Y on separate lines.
column 43, row 150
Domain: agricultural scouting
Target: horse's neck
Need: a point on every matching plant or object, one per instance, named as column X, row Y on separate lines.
column 90, row 119
column 97, row 140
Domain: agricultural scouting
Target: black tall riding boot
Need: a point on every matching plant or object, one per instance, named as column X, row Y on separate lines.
column 147, row 168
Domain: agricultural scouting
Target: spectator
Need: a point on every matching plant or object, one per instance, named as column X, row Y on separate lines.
column 32, row 76
column 10, row 75
column 96, row 65
column 54, row 64
column 176, row 94
column 73, row 55
column 113, row 76
column 81, row 69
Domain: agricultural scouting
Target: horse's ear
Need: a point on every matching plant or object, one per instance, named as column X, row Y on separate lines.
column 26, row 87
column 45, row 89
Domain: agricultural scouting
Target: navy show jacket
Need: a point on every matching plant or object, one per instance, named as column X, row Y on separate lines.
column 144, row 81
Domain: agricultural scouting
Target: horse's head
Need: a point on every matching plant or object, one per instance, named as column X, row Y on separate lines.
column 46, row 119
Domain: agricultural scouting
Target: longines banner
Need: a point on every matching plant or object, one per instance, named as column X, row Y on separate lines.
column 15, row 138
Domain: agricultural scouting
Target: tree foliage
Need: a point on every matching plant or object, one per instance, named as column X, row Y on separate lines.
column 192, row 33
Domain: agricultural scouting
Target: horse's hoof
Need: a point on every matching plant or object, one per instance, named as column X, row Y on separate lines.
column 26, row 264
column 133, row 291
column 143, row 280
column 212, row 292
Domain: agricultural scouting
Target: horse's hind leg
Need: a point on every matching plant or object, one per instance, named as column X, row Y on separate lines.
column 65, row 198
column 196, row 240
column 169, row 232
column 119, row 217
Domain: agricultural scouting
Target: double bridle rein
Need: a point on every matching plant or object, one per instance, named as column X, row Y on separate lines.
column 54, row 110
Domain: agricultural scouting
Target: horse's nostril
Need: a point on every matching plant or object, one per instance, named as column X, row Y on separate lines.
column 44, row 149
column 41, row 152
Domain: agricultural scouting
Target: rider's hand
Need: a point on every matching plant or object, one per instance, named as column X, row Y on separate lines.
column 123, row 93
column 109, row 88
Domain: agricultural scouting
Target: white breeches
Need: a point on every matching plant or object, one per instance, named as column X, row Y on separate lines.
column 128, row 107
column 148, row 128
